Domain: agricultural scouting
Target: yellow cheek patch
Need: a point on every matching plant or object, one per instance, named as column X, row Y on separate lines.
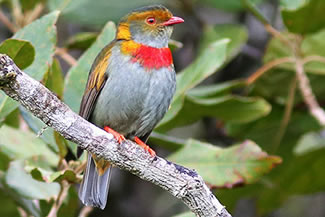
column 123, row 32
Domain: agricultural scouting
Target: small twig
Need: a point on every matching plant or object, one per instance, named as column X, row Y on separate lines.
column 63, row 53
column 22, row 212
column 62, row 195
column 30, row 16
column 85, row 211
column 313, row 58
column 17, row 14
column 252, row 8
column 267, row 67
column 80, row 168
column 276, row 34
column 307, row 93
column 7, row 22
column 268, row 27
column 287, row 114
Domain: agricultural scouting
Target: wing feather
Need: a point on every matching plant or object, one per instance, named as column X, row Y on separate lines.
column 96, row 80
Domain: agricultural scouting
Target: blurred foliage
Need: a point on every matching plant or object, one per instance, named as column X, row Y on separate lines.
column 251, row 113
column 296, row 21
column 225, row 168
column 22, row 52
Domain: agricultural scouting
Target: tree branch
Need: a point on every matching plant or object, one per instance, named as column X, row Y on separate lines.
column 266, row 67
column 304, row 85
column 181, row 182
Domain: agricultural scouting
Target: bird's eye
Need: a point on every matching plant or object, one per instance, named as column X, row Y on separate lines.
column 151, row 20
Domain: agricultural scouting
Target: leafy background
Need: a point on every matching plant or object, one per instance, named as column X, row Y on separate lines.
column 245, row 129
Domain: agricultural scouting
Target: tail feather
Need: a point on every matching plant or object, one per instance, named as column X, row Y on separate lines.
column 94, row 187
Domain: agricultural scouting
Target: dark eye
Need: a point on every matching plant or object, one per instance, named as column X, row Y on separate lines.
column 151, row 20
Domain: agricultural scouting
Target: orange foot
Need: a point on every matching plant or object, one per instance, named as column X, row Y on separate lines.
column 145, row 146
column 120, row 138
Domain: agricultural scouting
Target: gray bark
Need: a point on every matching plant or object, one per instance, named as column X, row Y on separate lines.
column 181, row 182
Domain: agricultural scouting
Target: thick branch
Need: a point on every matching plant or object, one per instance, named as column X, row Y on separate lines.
column 181, row 182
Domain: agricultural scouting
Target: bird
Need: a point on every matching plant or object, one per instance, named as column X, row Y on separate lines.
column 129, row 89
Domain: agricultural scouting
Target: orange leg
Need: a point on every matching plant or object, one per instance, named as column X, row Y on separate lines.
column 145, row 146
column 120, row 138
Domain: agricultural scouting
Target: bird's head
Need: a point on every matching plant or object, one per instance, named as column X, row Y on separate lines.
column 151, row 25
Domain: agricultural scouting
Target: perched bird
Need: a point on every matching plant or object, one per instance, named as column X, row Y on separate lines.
column 129, row 89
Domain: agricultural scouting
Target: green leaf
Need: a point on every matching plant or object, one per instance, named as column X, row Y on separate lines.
column 71, row 206
column 87, row 13
column 303, row 175
column 8, row 206
column 54, row 79
column 40, row 164
column 205, row 65
column 235, row 33
column 68, row 175
column 36, row 174
column 9, row 200
column 292, row 4
column 227, row 108
column 264, row 130
column 274, row 190
column 274, row 83
column 30, row 4
column 186, row 214
column 240, row 164
column 44, row 45
column 274, row 86
column 38, row 127
column 20, row 51
column 229, row 5
column 13, row 119
column 210, row 91
column 168, row 142
column 311, row 45
column 310, row 142
column 81, row 40
column 215, row 101
column 17, row 144
column 23, row 183
column 4, row 161
column 62, row 144
column 76, row 79
column 7, row 105
column 295, row 18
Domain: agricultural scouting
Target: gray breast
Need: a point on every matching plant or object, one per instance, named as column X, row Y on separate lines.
column 134, row 99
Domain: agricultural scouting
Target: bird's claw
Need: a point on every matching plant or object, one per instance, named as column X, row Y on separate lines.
column 119, row 137
column 145, row 146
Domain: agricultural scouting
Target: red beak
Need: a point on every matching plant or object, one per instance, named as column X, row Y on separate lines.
column 173, row 20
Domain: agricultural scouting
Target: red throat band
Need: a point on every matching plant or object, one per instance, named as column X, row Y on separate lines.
column 151, row 57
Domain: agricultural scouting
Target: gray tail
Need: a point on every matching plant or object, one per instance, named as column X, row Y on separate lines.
column 94, row 187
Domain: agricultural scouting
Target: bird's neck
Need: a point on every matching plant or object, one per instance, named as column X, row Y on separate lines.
column 149, row 57
column 126, row 32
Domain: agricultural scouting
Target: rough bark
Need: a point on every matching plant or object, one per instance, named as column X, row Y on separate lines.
column 181, row 182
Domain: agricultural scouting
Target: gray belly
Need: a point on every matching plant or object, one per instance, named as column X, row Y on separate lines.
column 134, row 100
